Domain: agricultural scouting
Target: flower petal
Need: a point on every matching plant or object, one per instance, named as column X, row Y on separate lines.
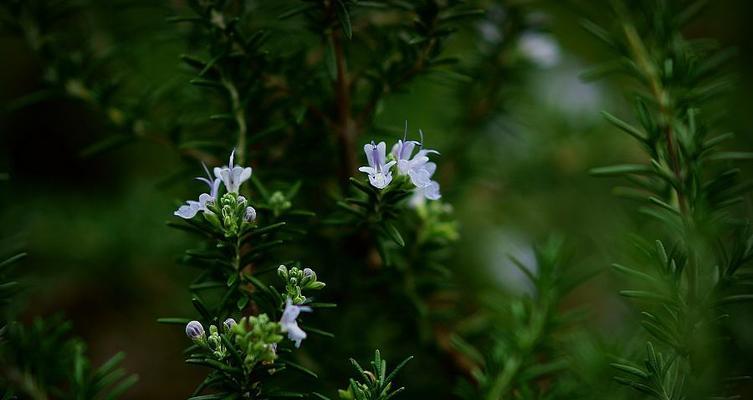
column 389, row 165
column 420, row 177
column 215, row 188
column 204, row 200
column 188, row 210
column 246, row 174
column 381, row 149
column 430, row 167
column 368, row 148
column 431, row 191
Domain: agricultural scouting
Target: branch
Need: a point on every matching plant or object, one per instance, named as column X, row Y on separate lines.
column 345, row 128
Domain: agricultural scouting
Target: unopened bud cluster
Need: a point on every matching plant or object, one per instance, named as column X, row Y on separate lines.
column 279, row 203
column 230, row 213
column 257, row 337
column 213, row 342
column 296, row 280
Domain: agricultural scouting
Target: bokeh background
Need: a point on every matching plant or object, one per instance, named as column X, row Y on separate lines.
column 94, row 225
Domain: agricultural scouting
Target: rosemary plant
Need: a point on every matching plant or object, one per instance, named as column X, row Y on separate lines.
column 694, row 260
column 328, row 227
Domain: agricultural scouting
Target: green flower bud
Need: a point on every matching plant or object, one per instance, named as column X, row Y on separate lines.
column 282, row 271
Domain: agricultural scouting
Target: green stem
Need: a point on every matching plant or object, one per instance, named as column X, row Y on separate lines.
column 503, row 381
column 663, row 99
column 240, row 120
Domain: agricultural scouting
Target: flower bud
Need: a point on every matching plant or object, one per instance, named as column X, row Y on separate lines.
column 250, row 214
column 195, row 331
column 229, row 324
column 282, row 271
column 308, row 273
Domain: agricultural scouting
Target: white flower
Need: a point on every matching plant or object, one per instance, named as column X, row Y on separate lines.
column 232, row 175
column 378, row 171
column 290, row 325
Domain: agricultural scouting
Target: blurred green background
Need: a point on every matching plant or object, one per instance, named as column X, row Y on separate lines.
column 101, row 254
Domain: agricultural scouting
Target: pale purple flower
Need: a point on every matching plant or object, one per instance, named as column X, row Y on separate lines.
column 407, row 164
column 378, row 170
column 402, row 151
column 191, row 208
column 425, row 187
column 430, row 191
column 232, row 175
column 194, row 330
column 290, row 325
column 418, row 167
column 188, row 210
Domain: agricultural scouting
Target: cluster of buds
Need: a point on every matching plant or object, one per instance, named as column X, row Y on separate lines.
column 278, row 203
column 296, row 280
column 230, row 214
column 213, row 342
column 257, row 338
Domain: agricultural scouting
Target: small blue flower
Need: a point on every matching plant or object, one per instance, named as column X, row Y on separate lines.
column 232, row 175
column 378, row 169
column 290, row 325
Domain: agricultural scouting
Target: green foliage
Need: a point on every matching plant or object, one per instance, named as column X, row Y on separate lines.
column 523, row 339
column 373, row 384
column 42, row 361
column 8, row 287
column 689, row 187
column 659, row 378
column 377, row 210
